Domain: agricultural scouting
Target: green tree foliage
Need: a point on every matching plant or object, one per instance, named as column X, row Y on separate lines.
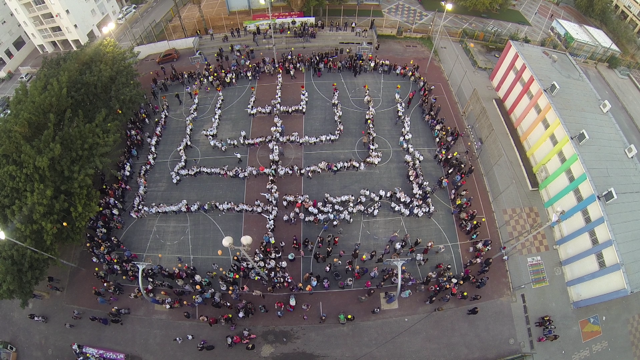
column 597, row 9
column 63, row 128
column 484, row 5
column 603, row 12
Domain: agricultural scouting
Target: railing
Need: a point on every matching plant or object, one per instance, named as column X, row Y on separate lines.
column 37, row 23
column 38, row 9
column 46, row 36
column 51, row 21
column 58, row 34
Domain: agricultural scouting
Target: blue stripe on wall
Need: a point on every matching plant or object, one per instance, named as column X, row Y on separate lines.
column 606, row 271
column 587, row 253
column 574, row 210
column 592, row 225
column 601, row 298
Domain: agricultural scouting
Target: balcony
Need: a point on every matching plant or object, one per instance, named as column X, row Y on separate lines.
column 37, row 23
column 38, row 9
column 24, row 1
column 51, row 21
column 58, row 34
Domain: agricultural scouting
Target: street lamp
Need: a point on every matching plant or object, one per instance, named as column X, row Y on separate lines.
column 554, row 218
column 397, row 262
column 109, row 29
column 3, row 236
column 246, row 243
column 273, row 28
column 141, row 266
column 447, row 6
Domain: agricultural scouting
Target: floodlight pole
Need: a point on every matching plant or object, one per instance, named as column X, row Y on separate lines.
column 447, row 6
column 397, row 262
column 141, row 266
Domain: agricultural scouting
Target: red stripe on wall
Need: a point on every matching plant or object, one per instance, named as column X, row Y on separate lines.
column 502, row 57
column 530, row 106
column 507, row 71
column 514, row 82
column 524, row 90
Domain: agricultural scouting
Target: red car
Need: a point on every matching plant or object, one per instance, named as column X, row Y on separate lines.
column 168, row 56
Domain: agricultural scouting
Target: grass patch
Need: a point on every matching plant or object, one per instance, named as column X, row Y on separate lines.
column 509, row 15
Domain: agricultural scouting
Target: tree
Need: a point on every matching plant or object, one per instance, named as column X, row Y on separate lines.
column 484, row 5
column 62, row 129
column 597, row 9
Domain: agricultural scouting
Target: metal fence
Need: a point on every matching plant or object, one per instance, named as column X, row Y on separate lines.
column 158, row 30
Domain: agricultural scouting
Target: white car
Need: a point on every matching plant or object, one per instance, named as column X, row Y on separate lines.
column 125, row 13
column 25, row 77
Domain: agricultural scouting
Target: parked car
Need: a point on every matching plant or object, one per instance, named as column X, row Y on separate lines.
column 4, row 103
column 125, row 13
column 25, row 77
column 168, row 56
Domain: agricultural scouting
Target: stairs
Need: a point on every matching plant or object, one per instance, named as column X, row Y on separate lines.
column 324, row 40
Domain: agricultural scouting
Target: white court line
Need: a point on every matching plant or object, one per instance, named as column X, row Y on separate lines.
column 151, row 237
column 189, row 232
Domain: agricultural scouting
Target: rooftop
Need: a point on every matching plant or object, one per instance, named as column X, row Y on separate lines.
column 602, row 38
column 577, row 31
column 606, row 164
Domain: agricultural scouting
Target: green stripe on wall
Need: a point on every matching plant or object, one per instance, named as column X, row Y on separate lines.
column 556, row 149
column 566, row 190
column 570, row 161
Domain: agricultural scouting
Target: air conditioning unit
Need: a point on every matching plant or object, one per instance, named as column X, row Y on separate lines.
column 605, row 106
column 608, row 196
column 553, row 89
column 582, row 137
column 631, row 151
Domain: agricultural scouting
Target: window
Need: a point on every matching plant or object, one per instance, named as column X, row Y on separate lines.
column 514, row 70
column 8, row 53
column 586, row 216
column 68, row 12
column 19, row 43
column 530, row 94
column 522, row 82
column 537, row 109
column 3, row 21
column 601, row 263
column 570, row 176
column 561, row 157
column 594, row 238
column 545, row 123
column 553, row 139
column 93, row 12
column 75, row 26
column 578, row 195
column 25, row 23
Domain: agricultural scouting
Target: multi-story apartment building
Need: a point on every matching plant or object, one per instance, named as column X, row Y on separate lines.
column 55, row 25
column 630, row 11
column 14, row 42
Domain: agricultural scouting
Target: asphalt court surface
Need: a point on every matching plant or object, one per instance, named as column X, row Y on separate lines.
column 195, row 238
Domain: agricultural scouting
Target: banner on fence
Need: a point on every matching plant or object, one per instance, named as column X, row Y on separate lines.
column 282, row 15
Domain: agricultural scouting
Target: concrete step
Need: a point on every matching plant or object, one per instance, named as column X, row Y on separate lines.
column 285, row 42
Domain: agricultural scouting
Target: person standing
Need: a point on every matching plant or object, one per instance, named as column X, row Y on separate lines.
column 178, row 97
column 211, row 34
column 239, row 157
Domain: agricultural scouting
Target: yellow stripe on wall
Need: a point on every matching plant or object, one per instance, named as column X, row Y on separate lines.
column 554, row 152
column 544, row 137
column 537, row 122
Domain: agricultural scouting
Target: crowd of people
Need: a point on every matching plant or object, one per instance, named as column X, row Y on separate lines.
column 185, row 287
